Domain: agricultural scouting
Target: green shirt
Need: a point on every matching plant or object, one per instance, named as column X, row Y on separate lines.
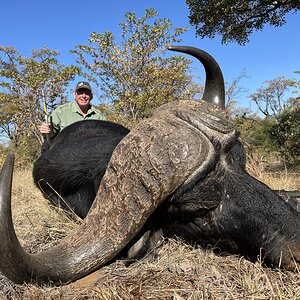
column 69, row 113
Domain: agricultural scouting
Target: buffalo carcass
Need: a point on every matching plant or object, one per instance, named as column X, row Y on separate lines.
column 181, row 172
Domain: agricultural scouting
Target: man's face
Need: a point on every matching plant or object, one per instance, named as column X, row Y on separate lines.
column 83, row 97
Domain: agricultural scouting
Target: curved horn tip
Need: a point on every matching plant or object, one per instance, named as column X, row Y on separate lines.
column 6, row 180
column 214, row 91
column 8, row 163
column 173, row 48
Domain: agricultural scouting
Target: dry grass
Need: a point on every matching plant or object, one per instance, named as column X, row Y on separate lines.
column 179, row 272
column 276, row 177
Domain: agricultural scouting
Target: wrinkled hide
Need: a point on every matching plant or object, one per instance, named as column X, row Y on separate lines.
column 237, row 214
column 291, row 197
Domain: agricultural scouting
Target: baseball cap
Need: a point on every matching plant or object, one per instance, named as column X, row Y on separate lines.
column 83, row 85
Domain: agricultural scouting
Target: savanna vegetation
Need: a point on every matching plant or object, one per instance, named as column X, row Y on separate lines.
column 132, row 75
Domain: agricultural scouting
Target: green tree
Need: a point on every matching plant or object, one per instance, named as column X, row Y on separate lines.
column 26, row 85
column 236, row 20
column 255, row 134
column 286, row 135
column 274, row 96
column 132, row 74
column 279, row 131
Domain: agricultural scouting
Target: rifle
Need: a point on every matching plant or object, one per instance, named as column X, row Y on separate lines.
column 48, row 141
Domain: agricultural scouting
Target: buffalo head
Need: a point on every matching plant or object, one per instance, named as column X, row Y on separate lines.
column 181, row 172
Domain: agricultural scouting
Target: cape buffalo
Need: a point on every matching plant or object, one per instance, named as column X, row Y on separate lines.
column 180, row 172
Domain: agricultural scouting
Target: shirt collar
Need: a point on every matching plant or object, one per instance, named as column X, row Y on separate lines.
column 75, row 108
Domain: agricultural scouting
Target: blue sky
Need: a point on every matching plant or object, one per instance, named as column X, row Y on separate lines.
column 60, row 25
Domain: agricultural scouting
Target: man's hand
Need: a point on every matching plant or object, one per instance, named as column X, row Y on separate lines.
column 45, row 128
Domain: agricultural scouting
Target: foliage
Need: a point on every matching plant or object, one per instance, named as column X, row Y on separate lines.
column 275, row 131
column 255, row 134
column 273, row 136
column 28, row 83
column 271, row 98
column 236, row 20
column 134, row 76
column 286, row 134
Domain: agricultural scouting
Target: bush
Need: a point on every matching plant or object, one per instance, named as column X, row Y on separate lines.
column 255, row 134
column 272, row 136
column 286, row 135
